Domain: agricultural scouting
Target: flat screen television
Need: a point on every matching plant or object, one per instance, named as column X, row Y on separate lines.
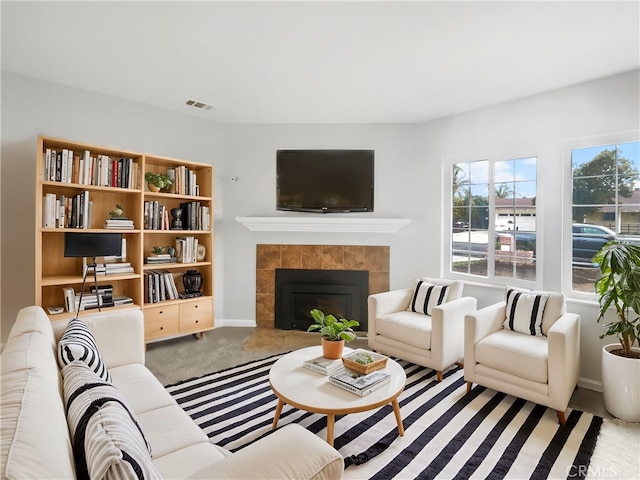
column 92, row 244
column 325, row 181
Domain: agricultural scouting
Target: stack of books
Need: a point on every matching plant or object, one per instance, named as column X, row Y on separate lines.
column 116, row 268
column 73, row 303
column 105, row 298
column 119, row 224
column 162, row 258
column 122, row 300
column 105, row 294
column 323, row 365
column 359, row 384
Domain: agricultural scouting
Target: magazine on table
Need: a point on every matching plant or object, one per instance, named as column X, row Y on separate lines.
column 325, row 366
column 359, row 384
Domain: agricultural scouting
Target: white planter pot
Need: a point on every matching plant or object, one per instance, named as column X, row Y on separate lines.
column 621, row 384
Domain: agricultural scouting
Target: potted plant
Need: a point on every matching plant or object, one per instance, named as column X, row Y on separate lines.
column 157, row 250
column 334, row 332
column 619, row 287
column 157, row 181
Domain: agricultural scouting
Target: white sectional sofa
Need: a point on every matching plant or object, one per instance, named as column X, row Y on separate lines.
column 36, row 442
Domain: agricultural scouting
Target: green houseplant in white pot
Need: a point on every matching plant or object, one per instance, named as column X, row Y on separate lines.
column 619, row 287
column 334, row 332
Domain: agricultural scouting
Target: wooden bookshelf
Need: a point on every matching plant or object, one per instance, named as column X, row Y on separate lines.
column 163, row 319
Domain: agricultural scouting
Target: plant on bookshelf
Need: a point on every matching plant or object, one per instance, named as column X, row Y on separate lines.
column 157, row 181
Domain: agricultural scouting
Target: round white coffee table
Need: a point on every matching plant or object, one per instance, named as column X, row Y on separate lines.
column 311, row 391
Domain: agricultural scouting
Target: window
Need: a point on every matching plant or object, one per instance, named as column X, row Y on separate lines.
column 494, row 218
column 606, row 204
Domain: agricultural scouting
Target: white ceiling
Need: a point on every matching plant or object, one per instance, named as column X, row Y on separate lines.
column 320, row 62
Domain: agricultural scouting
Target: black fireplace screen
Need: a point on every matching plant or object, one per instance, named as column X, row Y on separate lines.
column 342, row 293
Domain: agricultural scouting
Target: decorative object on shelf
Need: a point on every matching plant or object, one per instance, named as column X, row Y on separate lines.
column 192, row 281
column 176, row 223
column 117, row 213
column 618, row 286
column 201, row 252
column 334, row 332
column 156, row 250
column 157, row 181
column 364, row 362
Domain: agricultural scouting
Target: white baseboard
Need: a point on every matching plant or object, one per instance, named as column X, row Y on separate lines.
column 234, row 322
column 590, row 384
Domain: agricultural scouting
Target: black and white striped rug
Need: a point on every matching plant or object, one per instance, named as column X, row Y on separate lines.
column 448, row 433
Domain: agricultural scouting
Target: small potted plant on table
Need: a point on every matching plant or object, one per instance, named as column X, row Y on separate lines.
column 334, row 332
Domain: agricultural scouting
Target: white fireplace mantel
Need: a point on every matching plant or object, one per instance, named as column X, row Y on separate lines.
column 322, row 223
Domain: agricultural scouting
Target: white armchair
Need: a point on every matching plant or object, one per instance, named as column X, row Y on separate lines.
column 435, row 341
column 542, row 368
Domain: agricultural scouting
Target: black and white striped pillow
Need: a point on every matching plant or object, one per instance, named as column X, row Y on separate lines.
column 426, row 296
column 106, row 438
column 77, row 343
column 525, row 311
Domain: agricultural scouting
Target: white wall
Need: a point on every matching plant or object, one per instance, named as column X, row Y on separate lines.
column 250, row 155
column 408, row 177
column 543, row 126
column 31, row 108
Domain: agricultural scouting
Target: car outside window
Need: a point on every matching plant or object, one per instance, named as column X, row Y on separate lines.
column 606, row 204
column 493, row 218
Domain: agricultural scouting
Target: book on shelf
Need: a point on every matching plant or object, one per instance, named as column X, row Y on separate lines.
column 186, row 249
column 124, row 224
column 156, row 216
column 185, row 181
column 104, row 298
column 102, row 289
column 69, row 298
column 65, row 166
column 122, row 300
column 359, row 384
column 118, row 268
column 160, row 259
column 171, row 173
column 114, row 268
column 89, row 301
column 323, row 365
column 159, row 286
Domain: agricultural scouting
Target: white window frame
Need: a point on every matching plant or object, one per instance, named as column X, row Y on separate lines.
column 613, row 138
column 492, row 156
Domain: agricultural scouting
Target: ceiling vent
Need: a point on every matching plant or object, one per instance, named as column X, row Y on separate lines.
column 200, row 105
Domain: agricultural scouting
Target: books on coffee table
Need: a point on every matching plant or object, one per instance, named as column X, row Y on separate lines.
column 359, row 384
column 325, row 366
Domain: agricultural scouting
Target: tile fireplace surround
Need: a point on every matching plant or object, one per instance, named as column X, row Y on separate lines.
column 374, row 259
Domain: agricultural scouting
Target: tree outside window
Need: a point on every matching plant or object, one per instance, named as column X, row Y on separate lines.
column 606, row 201
column 493, row 218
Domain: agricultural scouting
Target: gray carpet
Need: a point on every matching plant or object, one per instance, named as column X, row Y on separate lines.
column 182, row 358
column 186, row 357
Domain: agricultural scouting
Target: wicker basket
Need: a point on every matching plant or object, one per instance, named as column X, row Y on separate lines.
column 379, row 362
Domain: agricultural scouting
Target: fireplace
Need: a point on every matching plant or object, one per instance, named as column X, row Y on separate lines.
column 342, row 293
column 373, row 259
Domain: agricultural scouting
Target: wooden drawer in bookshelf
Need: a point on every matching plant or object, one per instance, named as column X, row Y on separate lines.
column 197, row 315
